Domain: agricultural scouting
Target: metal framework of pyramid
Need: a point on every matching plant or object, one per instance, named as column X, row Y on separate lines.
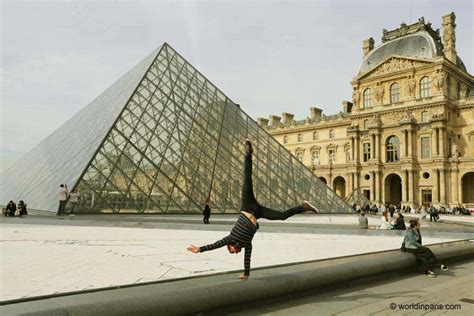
column 357, row 197
column 161, row 140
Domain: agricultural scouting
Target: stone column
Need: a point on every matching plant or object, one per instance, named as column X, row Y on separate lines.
column 356, row 180
column 377, row 144
column 442, row 187
column 378, row 187
column 410, row 143
column 442, row 146
column 372, row 187
column 411, row 188
column 372, row 146
column 357, row 147
column 435, row 187
column 455, row 186
column 404, row 187
column 403, row 146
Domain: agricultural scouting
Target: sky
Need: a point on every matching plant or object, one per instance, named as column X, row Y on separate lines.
column 268, row 56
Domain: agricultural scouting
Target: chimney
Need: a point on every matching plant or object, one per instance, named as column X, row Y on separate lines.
column 263, row 122
column 287, row 118
column 367, row 46
column 347, row 106
column 315, row 113
column 449, row 37
column 274, row 120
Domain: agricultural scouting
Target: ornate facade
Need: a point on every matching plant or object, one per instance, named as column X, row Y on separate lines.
column 408, row 135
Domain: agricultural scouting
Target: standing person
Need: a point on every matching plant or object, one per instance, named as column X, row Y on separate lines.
column 206, row 212
column 22, row 209
column 62, row 199
column 433, row 213
column 74, row 199
column 250, row 211
column 412, row 244
column 11, row 209
column 363, row 221
column 391, row 209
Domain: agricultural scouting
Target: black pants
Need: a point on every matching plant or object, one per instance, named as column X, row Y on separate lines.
column 62, row 206
column 206, row 220
column 433, row 216
column 426, row 257
column 249, row 203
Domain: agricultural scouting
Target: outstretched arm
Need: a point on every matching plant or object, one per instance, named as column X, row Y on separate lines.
column 248, row 255
column 218, row 244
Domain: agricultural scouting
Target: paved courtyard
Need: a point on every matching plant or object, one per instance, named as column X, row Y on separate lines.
column 45, row 256
column 412, row 294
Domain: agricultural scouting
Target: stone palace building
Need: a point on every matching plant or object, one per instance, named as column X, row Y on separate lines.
column 408, row 135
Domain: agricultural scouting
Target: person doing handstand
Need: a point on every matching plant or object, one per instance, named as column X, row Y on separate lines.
column 250, row 211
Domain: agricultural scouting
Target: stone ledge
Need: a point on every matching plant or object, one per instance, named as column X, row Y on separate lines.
column 199, row 294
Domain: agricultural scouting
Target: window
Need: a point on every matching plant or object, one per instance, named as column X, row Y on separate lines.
column 393, row 149
column 367, row 98
column 395, row 92
column 315, row 158
column 366, row 149
column 300, row 138
column 366, row 124
column 299, row 156
column 331, row 133
column 285, row 139
column 315, row 136
column 424, row 116
column 332, row 155
column 425, row 87
column 426, row 197
column 425, row 147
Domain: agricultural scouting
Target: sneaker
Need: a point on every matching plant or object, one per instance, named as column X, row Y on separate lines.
column 430, row 273
column 309, row 207
column 248, row 147
column 443, row 267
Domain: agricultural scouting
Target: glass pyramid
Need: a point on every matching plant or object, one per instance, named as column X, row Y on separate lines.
column 357, row 197
column 161, row 140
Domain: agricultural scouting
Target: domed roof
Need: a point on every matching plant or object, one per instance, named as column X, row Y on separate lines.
column 420, row 45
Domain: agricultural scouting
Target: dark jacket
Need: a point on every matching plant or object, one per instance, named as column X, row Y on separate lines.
column 400, row 223
column 207, row 211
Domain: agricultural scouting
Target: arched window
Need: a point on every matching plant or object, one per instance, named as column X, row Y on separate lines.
column 425, row 87
column 367, row 98
column 331, row 133
column 285, row 139
column 300, row 138
column 315, row 136
column 299, row 155
column 366, row 124
column 315, row 157
column 424, row 116
column 393, row 149
column 395, row 92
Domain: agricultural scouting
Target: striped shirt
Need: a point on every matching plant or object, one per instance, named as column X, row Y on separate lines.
column 240, row 236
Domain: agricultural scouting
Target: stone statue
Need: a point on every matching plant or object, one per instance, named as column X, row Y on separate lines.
column 439, row 81
column 407, row 115
column 463, row 92
column 348, row 155
column 356, row 97
column 379, row 91
column 454, row 150
column 411, row 85
column 375, row 120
